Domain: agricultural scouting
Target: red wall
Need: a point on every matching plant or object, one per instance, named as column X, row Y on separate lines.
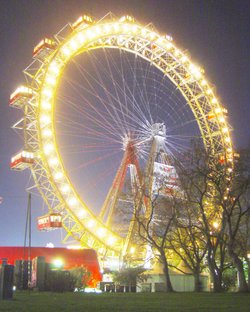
column 70, row 257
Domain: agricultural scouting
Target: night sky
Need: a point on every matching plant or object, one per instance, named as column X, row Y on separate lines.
column 215, row 32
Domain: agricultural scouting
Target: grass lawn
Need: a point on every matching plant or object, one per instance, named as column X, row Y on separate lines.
column 119, row 302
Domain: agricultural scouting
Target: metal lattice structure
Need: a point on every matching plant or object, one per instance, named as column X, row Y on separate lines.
column 42, row 79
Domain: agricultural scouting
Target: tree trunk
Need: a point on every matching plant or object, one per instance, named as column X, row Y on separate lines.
column 248, row 276
column 217, row 280
column 197, row 281
column 216, row 276
column 169, row 287
column 243, row 287
column 248, row 272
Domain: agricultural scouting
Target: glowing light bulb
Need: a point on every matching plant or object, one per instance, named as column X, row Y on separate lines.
column 134, row 28
column 58, row 175
column 176, row 52
column 54, row 68
column 72, row 201
column 47, row 132
column 101, row 232
column 203, row 82
column 98, row 30
column 116, row 27
column 48, row 148
column 46, row 105
column 111, row 240
column 132, row 250
column 73, row 44
column 65, row 189
column 107, row 28
column 80, row 38
column 58, row 263
column 66, row 51
column 90, row 33
column 215, row 224
column 195, row 70
column 126, row 28
column 82, row 213
column 152, row 36
column 143, row 32
column 45, row 119
column 169, row 45
column 184, row 59
column 53, row 161
column 51, row 80
column 47, row 92
column 91, row 223
column 218, row 110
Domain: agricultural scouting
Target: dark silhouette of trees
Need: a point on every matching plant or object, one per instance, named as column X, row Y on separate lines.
column 154, row 228
column 205, row 222
column 129, row 277
column 219, row 201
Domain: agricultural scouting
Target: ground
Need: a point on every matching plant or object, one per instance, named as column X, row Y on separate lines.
column 129, row 302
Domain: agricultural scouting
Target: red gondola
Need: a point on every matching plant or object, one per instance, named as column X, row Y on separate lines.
column 22, row 160
column 82, row 20
column 49, row 222
column 20, row 96
column 44, row 48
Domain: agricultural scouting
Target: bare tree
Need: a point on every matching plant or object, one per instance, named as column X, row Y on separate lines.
column 236, row 209
column 203, row 221
column 188, row 242
column 220, row 200
column 154, row 227
column 196, row 176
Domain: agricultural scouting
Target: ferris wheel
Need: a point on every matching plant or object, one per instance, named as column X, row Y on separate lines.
column 117, row 98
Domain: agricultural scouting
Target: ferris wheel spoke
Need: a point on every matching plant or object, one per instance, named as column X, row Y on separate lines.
column 94, row 161
column 101, row 122
column 181, row 125
column 88, row 148
column 70, row 126
column 126, row 94
column 112, row 100
column 102, row 176
column 121, row 99
column 112, row 105
column 95, row 112
column 106, row 104
column 142, row 102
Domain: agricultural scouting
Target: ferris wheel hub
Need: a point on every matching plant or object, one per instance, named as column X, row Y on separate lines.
column 159, row 129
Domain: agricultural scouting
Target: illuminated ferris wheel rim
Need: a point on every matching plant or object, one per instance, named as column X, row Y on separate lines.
column 128, row 35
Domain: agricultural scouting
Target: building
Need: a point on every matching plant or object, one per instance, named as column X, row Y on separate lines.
column 69, row 258
column 155, row 281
